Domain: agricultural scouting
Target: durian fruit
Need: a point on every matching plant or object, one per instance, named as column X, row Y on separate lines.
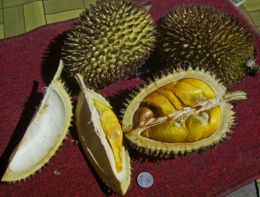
column 101, row 137
column 207, row 38
column 45, row 133
column 184, row 111
column 110, row 40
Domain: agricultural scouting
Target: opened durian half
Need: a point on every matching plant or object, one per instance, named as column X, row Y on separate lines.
column 45, row 133
column 101, row 137
column 179, row 113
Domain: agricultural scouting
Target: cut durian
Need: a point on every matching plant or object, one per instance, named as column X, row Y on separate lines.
column 45, row 133
column 208, row 38
column 101, row 137
column 203, row 117
column 111, row 39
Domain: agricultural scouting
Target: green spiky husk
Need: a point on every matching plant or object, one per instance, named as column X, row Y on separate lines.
column 208, row 38
column 110, row 40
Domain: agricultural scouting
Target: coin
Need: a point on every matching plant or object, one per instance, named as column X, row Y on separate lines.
column 145, row 180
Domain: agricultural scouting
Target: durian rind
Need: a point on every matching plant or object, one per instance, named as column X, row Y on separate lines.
column 55, row 88
column 110, row 40
column 96, row 146
column 208, row 38
column 163, row 149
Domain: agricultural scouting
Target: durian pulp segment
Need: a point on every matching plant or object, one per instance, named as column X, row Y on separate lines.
column 43, row 136
column 113, row 131
column 95, row 143
column 204, row 119
column 188, row 128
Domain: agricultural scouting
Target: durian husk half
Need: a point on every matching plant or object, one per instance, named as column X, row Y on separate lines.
column 134, row 133
column 45, row 133
column 95, row 143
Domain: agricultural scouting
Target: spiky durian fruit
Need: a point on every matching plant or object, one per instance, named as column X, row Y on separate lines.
column 179, row 113
column 110, row 40
column 101, row 137
column 45, row 133
column 208, row 38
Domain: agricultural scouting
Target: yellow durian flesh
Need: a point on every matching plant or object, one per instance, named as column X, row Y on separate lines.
column 95, row 142
column 45, row 133
column 204, row 119
column 190, row 92
column 170, row 131
column 203, row 125
column 113, row 131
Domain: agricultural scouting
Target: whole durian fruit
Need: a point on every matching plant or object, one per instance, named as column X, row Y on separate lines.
column 208, row 38
column 111, row 39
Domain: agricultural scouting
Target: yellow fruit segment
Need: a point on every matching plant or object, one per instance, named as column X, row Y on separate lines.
column 188, row 94
column 206, row 90
column 170, row 131
column 160, row 102
column 197, row 125
column 172, row 97
column 113, row 131
column 215, row 119
column 203, row 125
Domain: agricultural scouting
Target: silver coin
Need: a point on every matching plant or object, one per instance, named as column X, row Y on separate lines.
column 145, row 180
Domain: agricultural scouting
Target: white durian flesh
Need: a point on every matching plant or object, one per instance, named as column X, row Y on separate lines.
column 95, row 143
column 45, row 133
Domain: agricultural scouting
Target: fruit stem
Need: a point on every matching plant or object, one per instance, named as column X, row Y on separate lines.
column 234, row 96
column 81, row 83
column 59, row 71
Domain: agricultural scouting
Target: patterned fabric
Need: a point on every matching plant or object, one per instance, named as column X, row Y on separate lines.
column 21, row 16
column 251, row 8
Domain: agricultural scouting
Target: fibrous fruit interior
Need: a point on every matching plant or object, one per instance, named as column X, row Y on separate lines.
column 188, row 92
column 45, row 133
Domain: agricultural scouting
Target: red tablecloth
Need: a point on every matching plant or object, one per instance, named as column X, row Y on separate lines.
column 28, row 60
